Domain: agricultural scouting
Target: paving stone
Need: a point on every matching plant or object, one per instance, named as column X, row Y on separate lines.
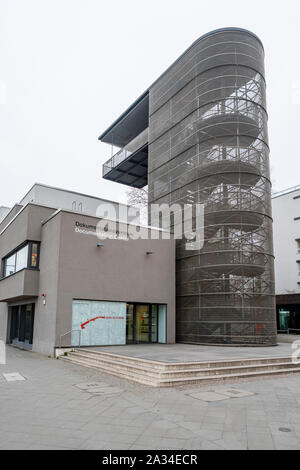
column 260, row 441
column 209, row 396
column 235, row 393
column 48, row 412
column 13, row 376
column 230, row 444
column 91, row 385
column 104, row 390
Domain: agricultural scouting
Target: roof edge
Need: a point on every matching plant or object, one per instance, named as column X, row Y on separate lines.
column 140, row 98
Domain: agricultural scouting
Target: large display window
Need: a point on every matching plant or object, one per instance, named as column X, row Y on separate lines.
column 103, row 323
column 98, row 323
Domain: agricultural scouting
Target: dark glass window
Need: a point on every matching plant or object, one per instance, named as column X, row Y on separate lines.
column 25, row 257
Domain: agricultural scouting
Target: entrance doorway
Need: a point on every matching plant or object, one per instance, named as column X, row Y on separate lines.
column 21, row 329
column 142, row 323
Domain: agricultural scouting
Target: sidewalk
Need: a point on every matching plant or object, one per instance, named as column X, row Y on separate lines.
column 62, row 406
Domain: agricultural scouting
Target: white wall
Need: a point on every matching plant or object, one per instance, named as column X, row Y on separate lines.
column 286, row 230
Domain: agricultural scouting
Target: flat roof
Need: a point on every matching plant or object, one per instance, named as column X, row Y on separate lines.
column 71, row 192
column 130, row 124
column 113, row 134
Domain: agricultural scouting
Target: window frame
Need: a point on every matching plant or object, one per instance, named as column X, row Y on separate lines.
column 28, row 243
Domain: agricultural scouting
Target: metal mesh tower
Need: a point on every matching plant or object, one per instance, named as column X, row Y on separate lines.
column 208, row 143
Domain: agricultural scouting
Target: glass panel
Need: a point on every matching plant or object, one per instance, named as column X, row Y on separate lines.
column 18, row 329
column 162, row 316
column 34, row 255
column 104, row 323
column 10, row 265
column 22, row 258
column 284, row 320
column 142, row 323
column 154, row 324
column 28, row 313
column 22, row 323
column 15, row 323
column 129, row 323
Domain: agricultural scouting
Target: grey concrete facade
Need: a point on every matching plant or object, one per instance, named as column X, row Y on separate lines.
column 73, row 267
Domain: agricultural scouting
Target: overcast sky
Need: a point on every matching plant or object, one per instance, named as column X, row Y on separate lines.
column 71, row 67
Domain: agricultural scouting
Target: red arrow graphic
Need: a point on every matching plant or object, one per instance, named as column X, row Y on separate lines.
column 83, row 325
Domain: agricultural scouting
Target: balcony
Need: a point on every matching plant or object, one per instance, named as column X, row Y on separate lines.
column 129, row 166
column 21, row 285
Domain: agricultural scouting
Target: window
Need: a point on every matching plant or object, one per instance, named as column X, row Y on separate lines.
column 298, row 264
column 22, row 258
column 25, row 257
column 298, row 245
column 10, row 265
column 34, row 255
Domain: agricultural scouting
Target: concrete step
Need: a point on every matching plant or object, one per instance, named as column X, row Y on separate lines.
column 125, row 375
column 118, row 358
column 173, row 373
column 184, row 381
column 156, row 374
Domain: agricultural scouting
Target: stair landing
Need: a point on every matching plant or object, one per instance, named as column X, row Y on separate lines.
column 178, row 365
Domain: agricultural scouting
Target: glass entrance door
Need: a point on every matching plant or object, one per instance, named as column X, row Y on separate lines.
column 21, row 330
column 142, row 324
column 130, row 324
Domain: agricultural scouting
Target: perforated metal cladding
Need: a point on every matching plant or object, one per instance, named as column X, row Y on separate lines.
column 208, row 143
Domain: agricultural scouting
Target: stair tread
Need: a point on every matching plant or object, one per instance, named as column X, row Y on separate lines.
column 171, row 364
column 182, row 381
column 181, row 371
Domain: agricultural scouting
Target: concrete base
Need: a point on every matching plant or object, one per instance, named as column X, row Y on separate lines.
column 288, row 338
column 61, row 351
column 169, row 366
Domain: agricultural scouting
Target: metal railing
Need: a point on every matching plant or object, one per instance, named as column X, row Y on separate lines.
column 115, row 160
column 67, row 333
column 132, row 147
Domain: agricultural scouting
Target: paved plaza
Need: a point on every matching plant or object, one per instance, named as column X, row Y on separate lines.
column 64, row 406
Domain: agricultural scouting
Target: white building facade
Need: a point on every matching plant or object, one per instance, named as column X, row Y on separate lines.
column 286, row 215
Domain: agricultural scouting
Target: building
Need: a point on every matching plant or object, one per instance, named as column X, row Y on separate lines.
column 3, row 212
column 65, row 199
column 60, row 283
column 286, row 215
column 198, row 135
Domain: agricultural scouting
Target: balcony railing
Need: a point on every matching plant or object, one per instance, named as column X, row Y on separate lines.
column 115, row 160
column 132, row 147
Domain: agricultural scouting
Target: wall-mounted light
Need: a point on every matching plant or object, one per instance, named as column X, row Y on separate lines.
column 99, row 245
column 149, row 252
column 44, row 299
